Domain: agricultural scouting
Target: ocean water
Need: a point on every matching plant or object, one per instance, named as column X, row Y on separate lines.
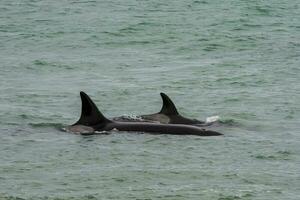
column 239, row 60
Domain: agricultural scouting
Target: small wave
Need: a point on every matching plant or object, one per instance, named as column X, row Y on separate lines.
column 280, row 155
column 213, row 47
column 83, row 2
column 46, row 125
column 118, row 34
column 50, row 64
column 252, row 25
column 264, row 11
column 200, row 2
column 284, row 152
column 129, row 29
column 232, row 100
column 24, row 116
column 223, row 79
column 229, row 122
column 6, row 197
column 40, row 62
column 265, row 157
column 230, row 197
column 86, row 197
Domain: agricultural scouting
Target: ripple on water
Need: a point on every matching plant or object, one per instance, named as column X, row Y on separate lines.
column 57, row 126
column 229, row 122
column 85, row 197
column 234, row 197
column 279, row 155
column 43, row 65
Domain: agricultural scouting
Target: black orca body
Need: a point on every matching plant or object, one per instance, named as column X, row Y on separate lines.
column 92, row 121
column 167, row 115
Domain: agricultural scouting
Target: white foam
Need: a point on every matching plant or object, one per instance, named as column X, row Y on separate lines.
column 212, row 119
column 101, row 132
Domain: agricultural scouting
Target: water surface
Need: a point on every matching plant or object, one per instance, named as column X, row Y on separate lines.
column 236, row 59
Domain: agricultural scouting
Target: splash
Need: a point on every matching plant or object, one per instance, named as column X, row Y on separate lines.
column 131, row 118
column 212, row 119
column 79, row 129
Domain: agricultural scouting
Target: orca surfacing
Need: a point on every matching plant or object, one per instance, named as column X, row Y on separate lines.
column 167, row 115
column 92, row 121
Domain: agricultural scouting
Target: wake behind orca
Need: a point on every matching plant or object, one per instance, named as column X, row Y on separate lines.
column 167, row 115
column 93, row 121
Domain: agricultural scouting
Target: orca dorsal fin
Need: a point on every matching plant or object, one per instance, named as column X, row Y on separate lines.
column 90, row 115
column 168, row 107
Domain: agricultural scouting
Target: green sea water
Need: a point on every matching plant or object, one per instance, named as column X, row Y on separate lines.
column 239, row 60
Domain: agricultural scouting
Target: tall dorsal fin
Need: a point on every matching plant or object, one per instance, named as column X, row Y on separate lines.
column 168, row 107
column 90, row 115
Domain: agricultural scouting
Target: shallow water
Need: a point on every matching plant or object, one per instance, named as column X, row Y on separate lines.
column 236, row 59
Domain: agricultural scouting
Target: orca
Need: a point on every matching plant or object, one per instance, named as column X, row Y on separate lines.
column 167, row 115
column 92, row 121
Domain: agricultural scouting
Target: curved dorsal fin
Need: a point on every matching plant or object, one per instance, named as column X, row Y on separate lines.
column 168, row 107
column 90, row 115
